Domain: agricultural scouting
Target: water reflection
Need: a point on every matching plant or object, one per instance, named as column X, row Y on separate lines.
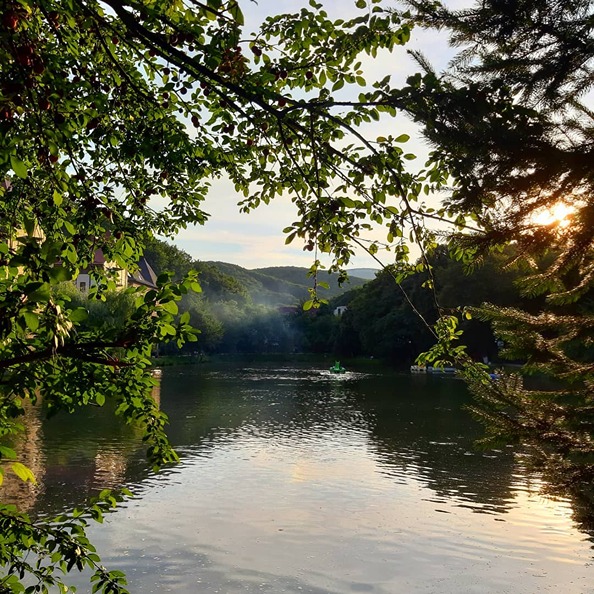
column 415, row 427
column 431, row 436
column 73, row 457
column 28, row 444
column 293, row 480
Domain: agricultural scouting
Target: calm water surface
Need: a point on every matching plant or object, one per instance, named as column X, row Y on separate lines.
column 295, row 480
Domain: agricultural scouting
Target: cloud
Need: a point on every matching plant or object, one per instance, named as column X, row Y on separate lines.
column 256, row 240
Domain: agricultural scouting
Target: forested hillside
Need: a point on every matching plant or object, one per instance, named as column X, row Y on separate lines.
column 282, row 285
column 242, row 310
column 260, row 310
column 380, row 320
column 275, row 286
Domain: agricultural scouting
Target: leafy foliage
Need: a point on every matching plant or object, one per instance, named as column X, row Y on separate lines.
column 508, row 121
column 59, row 544
column 114, row 117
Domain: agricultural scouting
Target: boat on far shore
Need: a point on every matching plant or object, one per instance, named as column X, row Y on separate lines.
column 429, row 369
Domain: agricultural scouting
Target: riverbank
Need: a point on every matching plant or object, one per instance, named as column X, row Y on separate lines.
column 242, row 358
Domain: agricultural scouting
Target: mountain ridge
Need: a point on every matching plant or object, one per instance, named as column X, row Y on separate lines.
column 284, row 285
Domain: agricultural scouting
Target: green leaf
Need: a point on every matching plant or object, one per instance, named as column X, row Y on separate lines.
column 402, row 138
column 60, row 274
column 23, row 472
column 31, row 320
column 38, row 292
column 236, row 13
column 170, row 307
column 69, row 227
column 29, row 224
column 6, row 452
column 308, row 305
column 78, row 314
column 168, row 330
column 338, row 84
column 162, row 279
column 18, row 166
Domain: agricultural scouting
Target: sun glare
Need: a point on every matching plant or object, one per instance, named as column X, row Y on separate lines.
column 559, row 215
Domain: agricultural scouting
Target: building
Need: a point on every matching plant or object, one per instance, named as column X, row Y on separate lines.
column 144, row 276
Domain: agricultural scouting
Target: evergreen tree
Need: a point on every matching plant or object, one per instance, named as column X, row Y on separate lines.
column 510, row 119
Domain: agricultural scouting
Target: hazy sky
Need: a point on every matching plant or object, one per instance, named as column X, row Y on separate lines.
column 256, row 240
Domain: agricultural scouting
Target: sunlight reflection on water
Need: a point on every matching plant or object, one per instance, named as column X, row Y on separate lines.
column 293, row 481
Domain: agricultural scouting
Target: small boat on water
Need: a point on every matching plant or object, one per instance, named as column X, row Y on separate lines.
column 337, row 368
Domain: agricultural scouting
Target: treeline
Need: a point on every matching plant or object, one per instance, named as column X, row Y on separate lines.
column 382, row 319
column 246, row 311
column 392, row 322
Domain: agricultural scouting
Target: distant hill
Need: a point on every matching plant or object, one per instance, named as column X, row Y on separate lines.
column 366, row 273
column 283, row 285
column 221, row 281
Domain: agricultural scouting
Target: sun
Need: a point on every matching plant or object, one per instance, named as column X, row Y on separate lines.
column 558, row 215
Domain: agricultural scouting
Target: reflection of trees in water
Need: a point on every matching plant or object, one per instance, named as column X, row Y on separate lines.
column 28, row 446
column 431, row 437
column 415, row 424
column 562, row 479
column 229, row 404
column 74, row 456
column 420, row 429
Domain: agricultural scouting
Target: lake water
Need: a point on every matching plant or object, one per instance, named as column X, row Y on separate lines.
column 299, row 481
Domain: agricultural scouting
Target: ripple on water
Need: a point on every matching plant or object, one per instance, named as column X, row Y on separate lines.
column 292, row 480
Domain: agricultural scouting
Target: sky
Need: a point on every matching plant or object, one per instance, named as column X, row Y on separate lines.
column 255, row 240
